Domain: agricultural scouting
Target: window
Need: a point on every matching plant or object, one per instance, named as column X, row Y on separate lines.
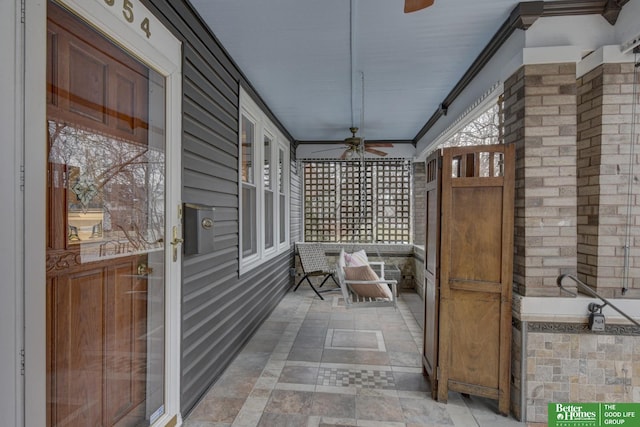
column 485, row 129
column 249, row 195
column 264, row 186
column 268, row 193
column 347, row 201
column 282, row 195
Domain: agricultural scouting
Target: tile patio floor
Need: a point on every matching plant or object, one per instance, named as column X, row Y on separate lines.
column 315, row 364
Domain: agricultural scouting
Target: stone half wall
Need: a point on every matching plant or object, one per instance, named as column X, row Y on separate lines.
column 418, row 278
column 556, row 358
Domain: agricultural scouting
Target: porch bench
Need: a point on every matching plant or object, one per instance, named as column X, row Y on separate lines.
column 404, row 261
column 366, row 287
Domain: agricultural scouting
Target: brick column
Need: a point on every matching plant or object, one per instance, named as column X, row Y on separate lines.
column 419, row 203
column 540, row 118
column 605, row 113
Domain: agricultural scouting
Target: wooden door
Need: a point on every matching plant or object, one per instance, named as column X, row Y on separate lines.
column 476, row 272
column 432, row 269
column 102, row 224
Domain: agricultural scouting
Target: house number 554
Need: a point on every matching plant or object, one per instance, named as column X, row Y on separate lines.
column 127, row 13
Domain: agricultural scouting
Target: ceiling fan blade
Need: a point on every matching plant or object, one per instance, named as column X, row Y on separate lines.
column 327, row 149
column 379, row 144
column 374, row 151
column 344, row 155
column 415, row 5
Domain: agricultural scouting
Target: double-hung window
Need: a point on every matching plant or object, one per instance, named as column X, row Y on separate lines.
column 249, row 193
column 283, row 195
column 264, row 187
column 269, row 206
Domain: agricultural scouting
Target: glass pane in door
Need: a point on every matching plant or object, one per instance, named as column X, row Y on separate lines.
column 105, row 230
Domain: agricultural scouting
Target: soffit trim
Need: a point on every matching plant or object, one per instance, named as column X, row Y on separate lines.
column 521, row 18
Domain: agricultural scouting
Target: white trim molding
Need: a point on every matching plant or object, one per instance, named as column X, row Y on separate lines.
column 11, row 212
column 262, row 127
column 572, row 310
column 474, row 110
column 604, row 55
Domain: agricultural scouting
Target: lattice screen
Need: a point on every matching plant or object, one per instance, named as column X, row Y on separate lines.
column 320, row 201
column 393, row 201
column 344, row 202
column 356, row 204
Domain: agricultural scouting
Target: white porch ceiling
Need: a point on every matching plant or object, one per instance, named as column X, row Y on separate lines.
column 306, row 59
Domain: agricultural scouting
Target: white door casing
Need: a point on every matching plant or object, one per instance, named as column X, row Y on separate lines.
column 11, row 336
column 133, row 27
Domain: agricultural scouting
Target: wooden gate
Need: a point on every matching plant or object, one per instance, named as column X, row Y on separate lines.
column 432, row 269
column 473, row 310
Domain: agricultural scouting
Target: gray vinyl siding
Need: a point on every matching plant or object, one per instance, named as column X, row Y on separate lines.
column 220, row 308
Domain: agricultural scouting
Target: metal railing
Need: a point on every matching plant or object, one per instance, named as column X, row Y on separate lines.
column 592, row 306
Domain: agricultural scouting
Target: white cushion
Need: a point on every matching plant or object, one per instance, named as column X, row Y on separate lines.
column 356, row 259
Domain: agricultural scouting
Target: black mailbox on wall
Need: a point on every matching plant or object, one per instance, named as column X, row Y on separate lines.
column 198, row 229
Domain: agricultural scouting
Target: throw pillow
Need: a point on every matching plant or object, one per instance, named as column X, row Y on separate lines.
column 372, row 290
column 356, row 259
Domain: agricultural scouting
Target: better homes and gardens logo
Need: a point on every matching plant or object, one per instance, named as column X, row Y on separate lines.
column 594, row 414
column 574, row 415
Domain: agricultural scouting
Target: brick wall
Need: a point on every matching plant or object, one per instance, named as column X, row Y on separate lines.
column 540, row 118
column 573, row 151
column 419, row 203
column 605, row 131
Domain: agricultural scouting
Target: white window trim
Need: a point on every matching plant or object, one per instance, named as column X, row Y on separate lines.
column 263, row 127
column 283, row 145
column 267, row 132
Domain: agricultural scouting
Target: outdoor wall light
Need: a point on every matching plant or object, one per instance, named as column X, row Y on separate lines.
column 596, row 318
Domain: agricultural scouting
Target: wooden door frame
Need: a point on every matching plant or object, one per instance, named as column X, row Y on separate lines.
column 160, row 51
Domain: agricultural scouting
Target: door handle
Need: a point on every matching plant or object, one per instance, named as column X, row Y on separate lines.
column 175, row 242
column 144, row 270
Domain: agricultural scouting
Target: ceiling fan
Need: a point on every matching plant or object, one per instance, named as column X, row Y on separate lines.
column 415, row 5
column 355, row 144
